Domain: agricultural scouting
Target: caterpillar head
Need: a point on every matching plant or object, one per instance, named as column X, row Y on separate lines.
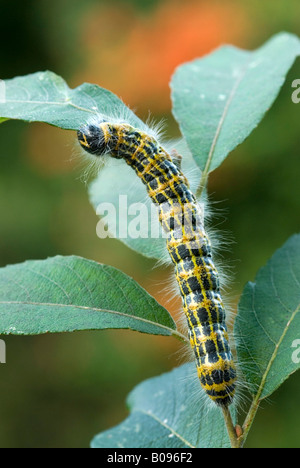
column 99, row 138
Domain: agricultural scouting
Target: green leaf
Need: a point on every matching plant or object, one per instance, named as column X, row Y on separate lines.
column 46, row 97
column 267, row 327
column 168, row 411
column 219, row 99
column 71, row 293
column 114, row 202
column 125, row 202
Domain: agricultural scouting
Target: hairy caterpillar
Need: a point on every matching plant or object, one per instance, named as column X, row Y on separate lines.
column 187, row 243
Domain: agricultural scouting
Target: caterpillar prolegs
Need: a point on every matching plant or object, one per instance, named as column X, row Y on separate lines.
column 187, row 243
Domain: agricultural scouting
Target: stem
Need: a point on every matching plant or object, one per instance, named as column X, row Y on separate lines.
column 250, row 418
column 230, row 428
column 238, row 442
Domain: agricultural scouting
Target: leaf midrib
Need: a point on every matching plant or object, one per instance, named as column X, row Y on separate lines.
column 204, row 176
column 151, row 415
column 94, row 309
column 67, row 102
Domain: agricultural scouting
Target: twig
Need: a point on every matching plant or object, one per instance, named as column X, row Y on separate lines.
column 250, row 418
column 235, row 442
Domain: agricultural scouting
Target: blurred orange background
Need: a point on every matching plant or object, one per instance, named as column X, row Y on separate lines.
column 60, row 390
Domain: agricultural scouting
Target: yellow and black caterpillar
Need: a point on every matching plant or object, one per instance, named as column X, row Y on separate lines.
column 187, row 243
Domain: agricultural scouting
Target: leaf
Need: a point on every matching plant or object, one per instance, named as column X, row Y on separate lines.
column 46, row 97
column 119, row 201
column 219, row 99
column 268, row 323
column 71, row 293
column 120, row 196
column 168, row 412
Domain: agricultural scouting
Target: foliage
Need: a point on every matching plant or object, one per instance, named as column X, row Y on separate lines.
column 218, row 100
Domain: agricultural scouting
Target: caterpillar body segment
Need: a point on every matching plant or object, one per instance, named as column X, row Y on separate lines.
column 187, row 242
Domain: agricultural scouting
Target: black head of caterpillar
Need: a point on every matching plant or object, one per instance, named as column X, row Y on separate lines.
column 92, row 139
column 103, row 137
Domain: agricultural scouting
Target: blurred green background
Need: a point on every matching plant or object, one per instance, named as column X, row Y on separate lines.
column 60, row 390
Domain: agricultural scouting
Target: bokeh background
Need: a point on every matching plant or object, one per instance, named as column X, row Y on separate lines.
column 59, row 390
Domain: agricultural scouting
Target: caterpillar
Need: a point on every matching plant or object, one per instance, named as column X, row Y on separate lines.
column 187, row 242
